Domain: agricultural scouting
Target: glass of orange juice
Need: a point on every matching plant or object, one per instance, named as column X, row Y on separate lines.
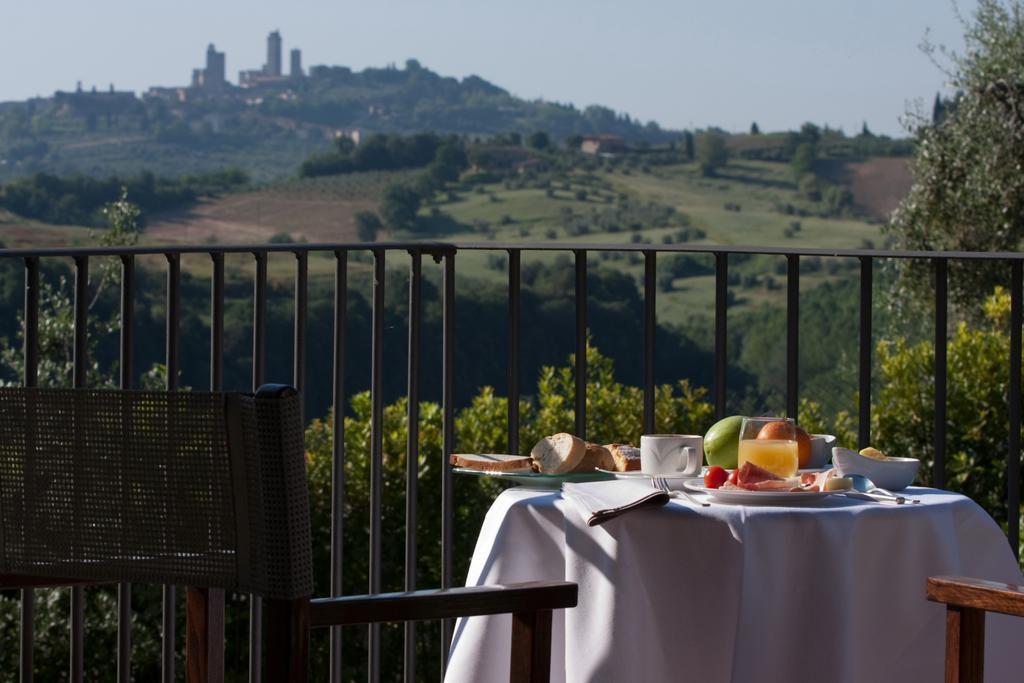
column 770, row 442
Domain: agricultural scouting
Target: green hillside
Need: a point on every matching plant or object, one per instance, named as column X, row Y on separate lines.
column 745, row 206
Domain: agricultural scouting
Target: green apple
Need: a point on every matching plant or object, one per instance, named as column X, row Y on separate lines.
column 722, row 442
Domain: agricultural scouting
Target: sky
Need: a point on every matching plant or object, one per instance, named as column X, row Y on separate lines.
column 683, row 63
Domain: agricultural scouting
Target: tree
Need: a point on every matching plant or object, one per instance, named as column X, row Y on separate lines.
column 968, row 191
column 865, row 132
column 449, row 160
column 754, row 130
column 976, row 409
column 539, row 140
column 803, row 160
column 399, row 205
column 712, row 153
column 688, row 145
column 368, row 225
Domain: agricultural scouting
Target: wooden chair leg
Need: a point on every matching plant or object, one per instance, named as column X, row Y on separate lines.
column 204, row 635
column 965, row 644
column 531, row 647
column 287, row 640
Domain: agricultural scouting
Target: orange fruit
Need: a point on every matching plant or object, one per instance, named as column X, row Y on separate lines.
column 780, row 430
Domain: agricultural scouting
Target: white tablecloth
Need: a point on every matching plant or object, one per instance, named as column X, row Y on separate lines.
column 737, row 593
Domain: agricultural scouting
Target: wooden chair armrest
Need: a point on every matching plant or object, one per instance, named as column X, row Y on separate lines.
column 443, row 604
column 990, row 596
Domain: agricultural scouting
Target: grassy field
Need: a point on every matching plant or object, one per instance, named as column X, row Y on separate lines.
column 741, row 207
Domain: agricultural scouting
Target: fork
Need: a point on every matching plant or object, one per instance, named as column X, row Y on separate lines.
column 662, row 483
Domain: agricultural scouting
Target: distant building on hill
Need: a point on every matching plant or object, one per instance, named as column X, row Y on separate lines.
column 271, row 71
column 603, row 144
column 212, row 78
column 296, row 63
column 273, row 66
column 214, row 75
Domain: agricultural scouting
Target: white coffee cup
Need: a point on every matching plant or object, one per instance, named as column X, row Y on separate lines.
column 681, row 455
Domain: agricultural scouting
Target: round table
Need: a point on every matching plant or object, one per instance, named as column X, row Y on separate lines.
column 830, row 591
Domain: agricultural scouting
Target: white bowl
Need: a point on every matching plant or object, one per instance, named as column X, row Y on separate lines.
column 894, row 474
column 821, row 450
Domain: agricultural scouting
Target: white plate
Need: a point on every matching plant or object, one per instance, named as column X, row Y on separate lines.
column 535, row 480
column 757, row 497
column 637, row 474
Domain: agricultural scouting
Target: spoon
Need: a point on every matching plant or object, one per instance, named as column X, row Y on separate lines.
column 865, row 485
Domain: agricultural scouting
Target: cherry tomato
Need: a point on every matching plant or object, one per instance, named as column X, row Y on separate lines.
column 715, row 477
column 735, row 476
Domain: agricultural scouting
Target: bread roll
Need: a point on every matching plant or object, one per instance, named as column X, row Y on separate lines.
column 626, row 457
column 491, row 462
column 558, row 454
column 596, row 457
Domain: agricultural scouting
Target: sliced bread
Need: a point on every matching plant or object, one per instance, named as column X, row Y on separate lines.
column 626, row 457
column 559, row 454
column 491, row 462
column 596, row 457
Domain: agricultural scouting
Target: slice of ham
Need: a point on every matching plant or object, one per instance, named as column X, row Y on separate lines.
column 750, row 477
column 751, row 474
column 815, row 481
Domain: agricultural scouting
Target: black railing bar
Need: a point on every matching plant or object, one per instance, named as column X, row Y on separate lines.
column 80, row 374
column 81, row 312
column 437, row 250
column 412, row 456
column 217, row 323
column 31, row 348
column 376, row 450
column 739, row 249
column 338, row 449
column 650, row 331
column 300, row 304
column 259, row 364
column 1013, row 452
column 217, row 384
column 447, row 442
column 721, row 318
column 864, row 364
column 793, row 336
column 173, row 318
column 514, row 308
column 581, row 344
column 31, row 378
column 941, row 284
column 170, row 593
column 126, row 367
column 125, row 362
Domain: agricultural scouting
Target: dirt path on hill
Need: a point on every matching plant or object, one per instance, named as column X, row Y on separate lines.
column 254, row 217
column 878, row 185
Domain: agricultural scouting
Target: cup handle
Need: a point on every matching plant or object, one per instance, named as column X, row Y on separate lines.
column 693, row 461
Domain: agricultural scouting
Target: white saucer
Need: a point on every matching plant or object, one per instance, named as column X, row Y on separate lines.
column 674, row 481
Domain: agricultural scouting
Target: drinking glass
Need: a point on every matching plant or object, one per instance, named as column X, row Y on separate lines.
column 770, row 443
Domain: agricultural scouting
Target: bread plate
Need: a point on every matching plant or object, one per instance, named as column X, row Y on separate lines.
column 744, row 497
column 536, row 480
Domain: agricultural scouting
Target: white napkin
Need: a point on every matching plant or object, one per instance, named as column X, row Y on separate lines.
column 599, row 501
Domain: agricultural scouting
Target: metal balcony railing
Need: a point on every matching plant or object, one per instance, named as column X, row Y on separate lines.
column 445, row 253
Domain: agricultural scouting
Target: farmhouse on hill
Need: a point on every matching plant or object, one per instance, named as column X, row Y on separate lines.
column 603, row 144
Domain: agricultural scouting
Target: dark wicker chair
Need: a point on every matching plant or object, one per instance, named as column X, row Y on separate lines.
column 207, row 490
column 967, row 600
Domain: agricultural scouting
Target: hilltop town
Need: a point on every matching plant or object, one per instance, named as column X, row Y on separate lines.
column 271, row 120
